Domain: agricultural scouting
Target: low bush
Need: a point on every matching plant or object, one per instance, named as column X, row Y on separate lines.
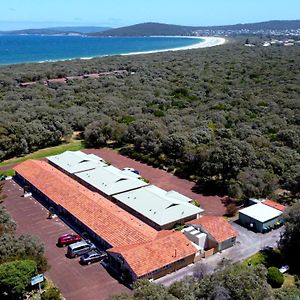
column 275, row 278
column 51, row 294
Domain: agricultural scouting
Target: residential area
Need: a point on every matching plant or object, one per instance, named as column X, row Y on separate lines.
column 128, row 223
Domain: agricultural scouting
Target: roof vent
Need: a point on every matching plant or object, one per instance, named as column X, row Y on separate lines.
column 172, row 205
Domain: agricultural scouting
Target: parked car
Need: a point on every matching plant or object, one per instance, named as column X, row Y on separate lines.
column 2, row 177
column 92, row 256
column 68, row 239
column 284, row 269
column 79, row 249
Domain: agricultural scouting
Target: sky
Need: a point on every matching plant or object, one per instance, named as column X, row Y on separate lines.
column 20, row 14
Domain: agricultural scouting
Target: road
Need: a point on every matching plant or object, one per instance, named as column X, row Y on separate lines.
column 248, row 243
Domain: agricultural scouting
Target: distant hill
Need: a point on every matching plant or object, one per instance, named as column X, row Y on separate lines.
column 81, row 29
column 58, row 30
column 269, row 25
column 148, row 29
column 152, row 29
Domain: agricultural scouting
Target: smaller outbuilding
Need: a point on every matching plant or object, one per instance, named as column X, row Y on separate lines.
column 219, row 234
column 263, row 216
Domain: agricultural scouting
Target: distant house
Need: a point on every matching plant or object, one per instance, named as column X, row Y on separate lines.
column 220, row 235
column 92, row 76
column 56, row 80
column 249, row 45
column 27, row 84
column 263, row 216
column 266, row 44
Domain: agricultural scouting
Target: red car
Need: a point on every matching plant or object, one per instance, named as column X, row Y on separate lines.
column 68, row 239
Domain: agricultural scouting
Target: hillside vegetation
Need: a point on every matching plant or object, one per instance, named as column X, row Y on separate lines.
column 148, row 29
column 227, row 116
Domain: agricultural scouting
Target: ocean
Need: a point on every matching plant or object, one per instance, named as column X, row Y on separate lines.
column 16, row 49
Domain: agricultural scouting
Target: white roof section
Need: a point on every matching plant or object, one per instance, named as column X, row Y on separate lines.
column 110, row 180
column 77, row 161
column 178, row 196
column 261, row 212
column 158, row 205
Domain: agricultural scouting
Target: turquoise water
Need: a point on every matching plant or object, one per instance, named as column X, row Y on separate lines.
column 33, row 48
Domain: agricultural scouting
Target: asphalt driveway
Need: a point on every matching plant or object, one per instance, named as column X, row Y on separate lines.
column 76, row 282
column 248, row 243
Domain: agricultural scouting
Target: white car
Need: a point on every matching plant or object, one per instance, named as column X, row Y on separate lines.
column 284, row 269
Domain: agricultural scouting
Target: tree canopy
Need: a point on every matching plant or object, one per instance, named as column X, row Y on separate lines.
column 15, row 276
column 290, row 239
column 226, row 115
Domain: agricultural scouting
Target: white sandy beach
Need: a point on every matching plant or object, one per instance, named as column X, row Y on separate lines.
column 205, row 42
column 209, row 41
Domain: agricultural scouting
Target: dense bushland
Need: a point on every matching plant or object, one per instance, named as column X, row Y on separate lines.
column 21, row 257
column 227, row 116
column 231, row 282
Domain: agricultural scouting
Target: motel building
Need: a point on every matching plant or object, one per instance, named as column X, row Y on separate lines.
column 121, row 214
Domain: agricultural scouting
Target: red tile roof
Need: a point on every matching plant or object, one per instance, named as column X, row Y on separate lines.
column 274, row 204
column 167, row 248
column 106, row 219
column 215, row 226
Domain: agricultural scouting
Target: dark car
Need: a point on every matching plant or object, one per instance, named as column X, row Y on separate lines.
column 92, row 256
column 68, row 239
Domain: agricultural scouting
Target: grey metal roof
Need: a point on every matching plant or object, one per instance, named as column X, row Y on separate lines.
column 77, row 161
column 261, row 212
column 111, row 180
column 158, row 205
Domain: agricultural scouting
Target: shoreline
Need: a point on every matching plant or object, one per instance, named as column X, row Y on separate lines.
column 205, row 42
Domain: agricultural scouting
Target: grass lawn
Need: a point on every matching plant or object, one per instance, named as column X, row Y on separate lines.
column 73, row 145
column 289, row 280
column 7, row 173
column 256, row 259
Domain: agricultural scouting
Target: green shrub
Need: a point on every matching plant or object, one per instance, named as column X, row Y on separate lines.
column 8, row 173
column 275, row 278
column 126, row 119
column 159, row 113
column 196, row 203
column 15, row 277
column 51, row 294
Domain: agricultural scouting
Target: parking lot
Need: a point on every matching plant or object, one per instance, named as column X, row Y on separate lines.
column 211, row 204
column 76, row 282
